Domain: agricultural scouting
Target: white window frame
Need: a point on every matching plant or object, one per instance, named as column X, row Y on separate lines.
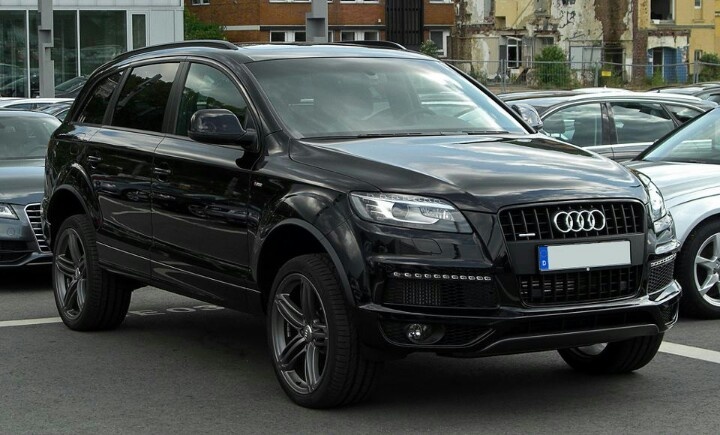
column 672, row 13
column 360, row 35
column 445, row 35
column 289, row 35
column 200, row 2
column 360, row 1
column 698, row 4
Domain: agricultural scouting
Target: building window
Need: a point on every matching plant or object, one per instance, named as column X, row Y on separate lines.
column 359, row 1
column 200, row 2
column 361, row 35
column 288, row 36
column 103, row 35
column 698, row 4
column 514, row 52
column 439, row 37
column 139, row 33
column 662, row 10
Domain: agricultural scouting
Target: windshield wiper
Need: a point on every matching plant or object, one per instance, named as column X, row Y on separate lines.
column 485, row 132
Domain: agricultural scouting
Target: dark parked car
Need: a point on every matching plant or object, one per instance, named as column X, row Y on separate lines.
column 686, row 167
column 24, row 137
column 337, row 189
column 618, row 125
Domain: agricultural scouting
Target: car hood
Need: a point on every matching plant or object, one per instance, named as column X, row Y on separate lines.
column 679, row 182
column 475, row 173
column 22, row 181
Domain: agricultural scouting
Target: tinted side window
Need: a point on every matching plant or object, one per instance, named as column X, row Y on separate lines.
column 143, row 98
column 208, row 88
column 683, row 114
column 94, row 110
column 640, row 122
column 580, row 125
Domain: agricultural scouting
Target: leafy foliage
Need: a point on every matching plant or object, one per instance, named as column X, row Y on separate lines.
column 195, row 28
column 429, row 48
column 710, row 67
column 552, row 68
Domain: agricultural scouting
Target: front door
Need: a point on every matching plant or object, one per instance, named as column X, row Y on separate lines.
column 200, row 194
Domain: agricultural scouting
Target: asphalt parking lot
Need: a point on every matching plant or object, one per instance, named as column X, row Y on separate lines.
column 181, row 366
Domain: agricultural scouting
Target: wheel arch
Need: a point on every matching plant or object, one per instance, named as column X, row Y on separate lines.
column 276, row 251
column 691, row 215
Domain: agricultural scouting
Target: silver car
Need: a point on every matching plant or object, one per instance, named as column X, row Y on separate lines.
column 685, row 166
column 616, row 124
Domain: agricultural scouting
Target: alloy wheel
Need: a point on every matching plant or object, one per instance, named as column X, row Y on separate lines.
column 300, row 333
column 70, row 273
column 707, row 270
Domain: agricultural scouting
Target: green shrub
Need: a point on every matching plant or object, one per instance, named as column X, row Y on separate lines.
column 429, row 48
column 198, row 29
column 710, row 67
column 552, row 69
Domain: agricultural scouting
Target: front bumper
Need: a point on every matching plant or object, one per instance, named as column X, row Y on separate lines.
column 519, row 330
column 21, row 240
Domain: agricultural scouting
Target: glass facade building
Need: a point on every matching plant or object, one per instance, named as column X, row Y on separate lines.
column 84, row 36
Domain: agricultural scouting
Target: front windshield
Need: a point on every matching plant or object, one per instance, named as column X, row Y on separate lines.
column 697, row 142
column 23, row 137
column 360, row 97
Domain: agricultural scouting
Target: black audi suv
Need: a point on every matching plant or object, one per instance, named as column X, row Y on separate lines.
column 371, row 202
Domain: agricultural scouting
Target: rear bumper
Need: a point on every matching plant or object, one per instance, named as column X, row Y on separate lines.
column 517, row 330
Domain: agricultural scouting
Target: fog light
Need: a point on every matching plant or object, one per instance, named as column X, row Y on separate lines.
column 420, row 333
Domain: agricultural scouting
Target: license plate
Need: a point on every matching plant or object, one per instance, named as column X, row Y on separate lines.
column 583, row 255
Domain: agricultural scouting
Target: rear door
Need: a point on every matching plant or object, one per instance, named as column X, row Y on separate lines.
column 119, row 163
column 636, row 125
column 200, row 194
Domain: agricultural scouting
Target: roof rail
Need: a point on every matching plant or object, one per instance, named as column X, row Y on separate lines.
column 374, row 44
column 209, row 43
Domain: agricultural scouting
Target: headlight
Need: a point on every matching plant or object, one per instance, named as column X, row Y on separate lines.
column 656, row 205
column 409, row 211
column 7, row 212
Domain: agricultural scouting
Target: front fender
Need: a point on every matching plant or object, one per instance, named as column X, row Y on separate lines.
column 689, row 215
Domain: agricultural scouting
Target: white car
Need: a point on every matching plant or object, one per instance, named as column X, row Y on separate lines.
column 685, row 165
column 31, row 103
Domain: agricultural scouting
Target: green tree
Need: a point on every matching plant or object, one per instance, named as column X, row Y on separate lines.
column 710, row 67
column 552, row 69
column 195, row 28
column 428, row 47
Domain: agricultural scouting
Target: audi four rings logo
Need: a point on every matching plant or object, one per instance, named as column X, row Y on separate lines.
column 576, row 221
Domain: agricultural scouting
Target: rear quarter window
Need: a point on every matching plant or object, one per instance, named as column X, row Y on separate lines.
column 96, row 106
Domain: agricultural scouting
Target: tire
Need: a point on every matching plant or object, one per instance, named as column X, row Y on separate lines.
column 87, row 298
column 312, row 339
column 699, row 280
column 613, row 358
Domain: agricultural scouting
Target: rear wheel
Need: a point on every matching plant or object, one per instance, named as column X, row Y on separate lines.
column 312, row 339
column 609, row 358
column 698, row 271
column 87, row 298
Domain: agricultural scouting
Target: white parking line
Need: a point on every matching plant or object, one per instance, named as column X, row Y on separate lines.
column 667, row 347
column 26, row 322
column 691, row 352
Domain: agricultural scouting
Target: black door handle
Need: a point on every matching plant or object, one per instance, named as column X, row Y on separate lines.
column 162, row 171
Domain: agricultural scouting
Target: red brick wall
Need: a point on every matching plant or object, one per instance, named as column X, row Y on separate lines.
column 265, row 13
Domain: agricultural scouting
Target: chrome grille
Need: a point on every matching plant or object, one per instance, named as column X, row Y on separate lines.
column 535, row 222
column 32, row 211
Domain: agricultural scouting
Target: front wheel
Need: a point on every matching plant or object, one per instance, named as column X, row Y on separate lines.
column 611, row 358
column 698, row 271
column 312, row 339
column 87, row 297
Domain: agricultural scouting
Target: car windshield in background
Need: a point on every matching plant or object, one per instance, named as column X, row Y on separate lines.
column 25, row 137
column 354, row 97
column 698, row 142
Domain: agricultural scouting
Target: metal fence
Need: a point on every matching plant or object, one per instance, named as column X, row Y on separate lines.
column 508, row 76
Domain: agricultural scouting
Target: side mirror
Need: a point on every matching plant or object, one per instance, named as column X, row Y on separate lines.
column 220, row 126
column 529, row 114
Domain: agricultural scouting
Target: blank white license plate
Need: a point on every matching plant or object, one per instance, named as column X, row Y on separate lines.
column 583, row 255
